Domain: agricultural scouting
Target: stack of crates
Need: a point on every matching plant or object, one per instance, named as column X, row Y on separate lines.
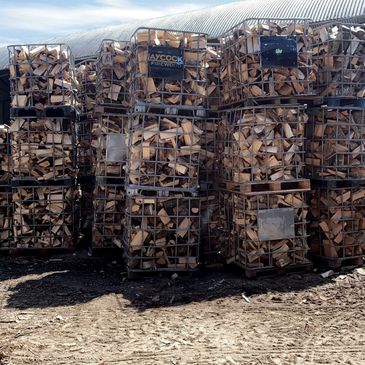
column 6, row 216
column 165, row 140
column 335, row 151
column 109, row 142
column 43, row 154
column 266, row 74
column 86, row 141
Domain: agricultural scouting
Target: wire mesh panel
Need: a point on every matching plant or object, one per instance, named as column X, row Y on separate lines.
column 44, row 216
column 266, row 58
column 162, row 233
column 163, row 152
column 41, row 75
column 86, row 90
column 110, row 141
column 337, row 222
column 338, row 53
column 109, row 214
column 264, row 143
column 6, row 217
column 113, row 72
column 43, row 148
column 270, row 230
column 169, row 67
column 213, row 64
column 335, row 143
column 5, row 170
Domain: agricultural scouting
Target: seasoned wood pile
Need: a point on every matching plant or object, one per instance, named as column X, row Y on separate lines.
column 43, row 148
column 164, row 152
column 270, row 229
column 113, row 73
column 335, row 147
column 266, row 58
column 6, row 217
column 44, row 216
column 162, row 233
column 41, row 76
column 109, row 215
column 338, row 53
column 109, row 140
column 337, row 225
column 264, row 143
column 169, row 67
column 214, row 87
column 5, row 168
column 86, row 91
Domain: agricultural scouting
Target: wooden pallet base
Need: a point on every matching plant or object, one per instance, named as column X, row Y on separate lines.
column 338, row 263
column 115, row 109
column 38, row 252
column 161, row 273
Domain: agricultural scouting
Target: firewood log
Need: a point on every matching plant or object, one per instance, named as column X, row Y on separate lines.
column 5, row 170
column 43, row 148
column 44, row 216
column 113, row 73
column 335, row 145
column 270, row 229
column 41, row 75
column 181, row 55
column 337, row 225
column 86, row 91
column 6, row 217
column 338, row 53
column 264, row 144
column 244, row 73
column 109, row 215
column 162, row 232
column 164, row 151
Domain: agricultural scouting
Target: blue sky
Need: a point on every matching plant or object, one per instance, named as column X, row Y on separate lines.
column 25, row 21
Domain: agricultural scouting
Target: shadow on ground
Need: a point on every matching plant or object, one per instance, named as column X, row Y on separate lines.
column 78, row 279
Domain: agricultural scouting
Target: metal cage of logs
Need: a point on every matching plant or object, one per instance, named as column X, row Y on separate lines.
column 214, row 87
column 185, row 84
column 113, row 73
column 86, row 91
column 338, row 54
column 44, row 215
column 5, row 155
column 43, row 148
column 6, row 217
column 337, row 225
column 162, row 233
column 266, row 58
column 41, row 75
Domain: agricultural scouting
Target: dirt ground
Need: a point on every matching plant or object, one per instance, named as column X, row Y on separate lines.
column 83, row 310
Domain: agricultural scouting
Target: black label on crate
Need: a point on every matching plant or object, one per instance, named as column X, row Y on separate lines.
column 278, row 51
column 166, row 63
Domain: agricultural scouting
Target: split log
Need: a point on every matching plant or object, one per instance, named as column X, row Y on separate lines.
column 337, row 225
column 41, row 75
column 5, row 157
column 185, row 53
column 86, row 91
column 162, row 233
column 244, row 73
column 338, row 54
column 6, row 217
column 335, row 145
column 164, row 151
column 270, row 229
column 43, row 148
column 264, row 144
column 113, row 74
column 109, row 215
column 44, row 216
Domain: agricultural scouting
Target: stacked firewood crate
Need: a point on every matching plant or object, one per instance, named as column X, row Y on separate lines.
column 166, row 137
column 6, row 216
column 266, row 74
column 86, row 140
column 43, row 154
column 109, row 142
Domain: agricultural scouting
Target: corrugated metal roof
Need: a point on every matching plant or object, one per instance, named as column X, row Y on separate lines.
column 213, row 20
